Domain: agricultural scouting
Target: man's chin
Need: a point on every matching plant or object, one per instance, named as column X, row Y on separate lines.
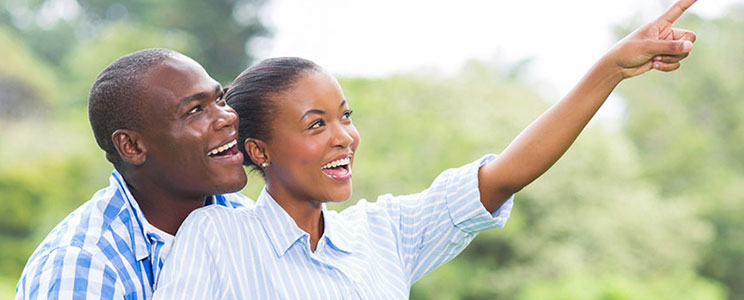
column 225, row 185
column 237, row 184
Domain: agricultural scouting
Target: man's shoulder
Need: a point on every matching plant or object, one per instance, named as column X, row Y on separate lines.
column 51, row 273
column 83, row 230
column 84, row 241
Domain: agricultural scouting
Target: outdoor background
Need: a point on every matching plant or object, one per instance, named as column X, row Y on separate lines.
column 646, row 205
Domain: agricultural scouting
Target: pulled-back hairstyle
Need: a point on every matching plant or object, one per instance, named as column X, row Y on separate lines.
column 252, row 94
column 113, row 101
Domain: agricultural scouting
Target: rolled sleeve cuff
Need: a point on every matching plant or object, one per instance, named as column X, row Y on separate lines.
column 463, row 199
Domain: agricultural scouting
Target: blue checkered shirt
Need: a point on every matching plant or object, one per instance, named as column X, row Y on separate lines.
column 102, row 250
column 368, row 251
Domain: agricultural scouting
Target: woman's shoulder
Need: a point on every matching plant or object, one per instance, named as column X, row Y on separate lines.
column 366, row 213
column 212, row 211
column 218, row 216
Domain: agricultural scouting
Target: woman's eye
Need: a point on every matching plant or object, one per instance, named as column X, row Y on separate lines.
column 316, row 124
column 347, row 114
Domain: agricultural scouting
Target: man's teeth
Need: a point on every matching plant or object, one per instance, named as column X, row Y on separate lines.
column 336, row 163
column 223, row 147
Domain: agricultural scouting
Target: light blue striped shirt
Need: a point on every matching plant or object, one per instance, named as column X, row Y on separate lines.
column 369, row 251
column 102, row 250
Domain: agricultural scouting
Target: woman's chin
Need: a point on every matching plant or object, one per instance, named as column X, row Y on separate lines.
column 341, row 199
column 340, row 196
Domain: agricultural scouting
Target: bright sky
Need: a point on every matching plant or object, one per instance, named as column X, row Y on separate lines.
column 381, row 37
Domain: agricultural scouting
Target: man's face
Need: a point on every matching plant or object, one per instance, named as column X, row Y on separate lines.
column 189, row 132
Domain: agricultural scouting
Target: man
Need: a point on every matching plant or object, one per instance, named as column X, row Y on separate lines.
column 163, row 124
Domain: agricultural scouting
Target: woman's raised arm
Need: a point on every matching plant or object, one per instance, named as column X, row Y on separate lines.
column 656, row 45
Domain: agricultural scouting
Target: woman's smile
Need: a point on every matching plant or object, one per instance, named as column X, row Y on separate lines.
column 313, row 144
column 339, row 169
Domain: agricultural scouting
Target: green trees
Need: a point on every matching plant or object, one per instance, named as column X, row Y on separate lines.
column 217, row 33
column 646, row 210
column 689, row 129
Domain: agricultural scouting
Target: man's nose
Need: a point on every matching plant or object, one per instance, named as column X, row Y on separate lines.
column 226, row 116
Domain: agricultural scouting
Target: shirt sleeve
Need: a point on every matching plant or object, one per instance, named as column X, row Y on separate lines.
column 189, row 271
column 437, row 224
column 69, row 273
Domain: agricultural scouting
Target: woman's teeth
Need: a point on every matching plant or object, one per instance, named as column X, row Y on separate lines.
column 336, row 163
column 223, row 147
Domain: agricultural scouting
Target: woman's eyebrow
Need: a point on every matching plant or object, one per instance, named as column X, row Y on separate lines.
column 312, row 111
column 318, row 111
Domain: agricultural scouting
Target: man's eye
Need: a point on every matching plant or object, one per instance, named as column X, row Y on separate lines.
column 194, row 110
column 316, row 124
column 221, row 100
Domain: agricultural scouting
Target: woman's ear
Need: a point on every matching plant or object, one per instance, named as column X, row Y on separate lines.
column 130, row 147
column 257, row 151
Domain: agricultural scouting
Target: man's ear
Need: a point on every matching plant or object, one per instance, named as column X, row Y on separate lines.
column 129, row 145
column 257, row 151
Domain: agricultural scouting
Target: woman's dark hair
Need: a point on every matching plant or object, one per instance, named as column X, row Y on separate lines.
column 252, row 95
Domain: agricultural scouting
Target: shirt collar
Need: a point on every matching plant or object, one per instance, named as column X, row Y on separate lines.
column 283, row 231
column 337, row 236
column 143, row 235
column 141, row 249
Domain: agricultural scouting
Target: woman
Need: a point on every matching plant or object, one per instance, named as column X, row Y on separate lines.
column 296, row 129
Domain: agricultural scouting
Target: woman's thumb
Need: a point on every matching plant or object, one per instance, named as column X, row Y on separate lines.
column 668, row 47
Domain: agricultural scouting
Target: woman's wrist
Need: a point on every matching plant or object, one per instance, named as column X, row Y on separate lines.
column 607, row 71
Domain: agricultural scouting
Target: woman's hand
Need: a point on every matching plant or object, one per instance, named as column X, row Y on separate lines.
column 656, row 45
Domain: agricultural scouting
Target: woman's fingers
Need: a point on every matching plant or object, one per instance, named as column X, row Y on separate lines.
column 673, row 13
column 666, row 47
column 679, row 35
column 670, row 58
column 666, row 67
column 682, row 34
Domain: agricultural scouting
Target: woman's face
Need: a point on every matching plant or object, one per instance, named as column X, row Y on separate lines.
column 313, row 141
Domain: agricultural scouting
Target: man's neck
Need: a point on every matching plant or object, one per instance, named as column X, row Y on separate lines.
column 162, row 209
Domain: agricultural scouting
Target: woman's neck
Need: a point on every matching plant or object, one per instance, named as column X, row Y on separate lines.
column 308, row 215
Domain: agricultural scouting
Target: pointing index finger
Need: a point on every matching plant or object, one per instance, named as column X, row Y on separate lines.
column 673, row 13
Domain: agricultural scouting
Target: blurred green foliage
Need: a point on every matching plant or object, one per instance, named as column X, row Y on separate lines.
column 689, row 129
column 649, row 209
column 218, row 32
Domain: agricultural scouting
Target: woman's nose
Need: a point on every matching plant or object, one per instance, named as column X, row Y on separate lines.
column 343, row 137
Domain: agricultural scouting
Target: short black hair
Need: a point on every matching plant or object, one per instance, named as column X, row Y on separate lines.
column 252, row 94
column 113, row 102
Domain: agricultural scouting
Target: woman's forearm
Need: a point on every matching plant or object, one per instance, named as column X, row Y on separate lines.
column 544, row 141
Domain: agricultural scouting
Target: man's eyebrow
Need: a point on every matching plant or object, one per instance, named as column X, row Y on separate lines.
column 198, row 96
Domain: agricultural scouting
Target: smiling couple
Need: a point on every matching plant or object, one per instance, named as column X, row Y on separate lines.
column 177, row 146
